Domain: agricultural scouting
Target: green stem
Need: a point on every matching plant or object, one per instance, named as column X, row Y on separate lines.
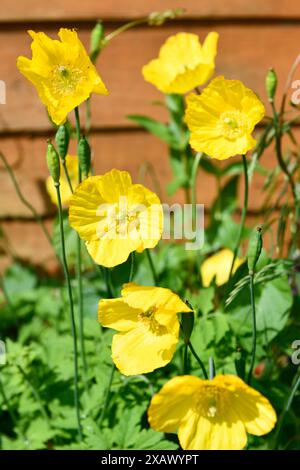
column 211, row 367
column 67, row 175
column 295, row 386
column 185, row 358
column 131, row 272
column 123, row 28
column 194, row 174
column 198, row 360
column 79, row 272
column 71, row 306
column 151, row 264
column 107, row 395
column 24, row 201
column 243, row 217
column 253, row 351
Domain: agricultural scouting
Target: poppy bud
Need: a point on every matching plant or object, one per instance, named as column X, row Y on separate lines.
column 53, row 162
column 158, row 18
column 62, row 139
column 84, row 156
column 271, row 84
column 254, row 249
column 96, row 41
column 187, row 325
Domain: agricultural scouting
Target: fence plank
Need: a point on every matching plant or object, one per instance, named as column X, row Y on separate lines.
column 59, row 10
column 122, row 150
column 244, row 52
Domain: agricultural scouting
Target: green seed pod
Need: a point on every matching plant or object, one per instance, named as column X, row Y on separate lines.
column 254, row 249
column 96, row 41
column 271, row 84
column 62, row 139
column 187, row 324
column 53, row 162
column 84, row 156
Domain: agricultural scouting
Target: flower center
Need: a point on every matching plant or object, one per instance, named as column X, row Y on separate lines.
column 208, row 401
column 148, row 318
column 232, row 124
column 65, row 79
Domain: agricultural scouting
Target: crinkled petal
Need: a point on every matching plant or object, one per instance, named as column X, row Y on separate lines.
column 200, row 433
column 172, row 403
column 116, row 314
column 142, row 350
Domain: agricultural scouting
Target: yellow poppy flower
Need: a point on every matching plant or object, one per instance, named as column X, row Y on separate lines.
column 146, row 318
column 65, row 191
column 218, row 266
column 115, row 217
column 61, row 71
column 183, row 63
column 222, row 118
column 211, row 414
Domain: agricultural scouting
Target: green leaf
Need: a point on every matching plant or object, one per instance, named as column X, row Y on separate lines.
column 154, row 127
column 273, row 301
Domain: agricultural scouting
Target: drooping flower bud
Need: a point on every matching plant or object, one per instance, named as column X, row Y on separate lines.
column 271, row 84
column 254, row 249
column 187, row 325
column 53, row 162
column 84, row 156
column 97, row 35
column 158, row 18
column 62, row 139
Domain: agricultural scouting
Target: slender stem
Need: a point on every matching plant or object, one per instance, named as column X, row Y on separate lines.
column 198, row 360
column 123, row 28
column 131, row 272
column 67, row 175
column 194, row 174
column 151, row 264
column 88, row 116
column 253, row 351
column 211, row 367
column 71, row 306
column 79, row 272
column 22, row 198
column 106, row 275
column 243, row 216
column 80, row 309
column 185, row 358
column 107, row 395
column 294, row 388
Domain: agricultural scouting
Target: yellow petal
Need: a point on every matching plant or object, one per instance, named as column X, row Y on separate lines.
column 218, row 266
column 141, row 350
column 200, row 433
column 115, row 184
column 252, row 408
column 116, row 314
column 145, row 297
column 85, row 205
column 61, row 71
column 209, row 47
column 183, row 63
column 65, row 190
column 111, row 252
column 172, row 403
